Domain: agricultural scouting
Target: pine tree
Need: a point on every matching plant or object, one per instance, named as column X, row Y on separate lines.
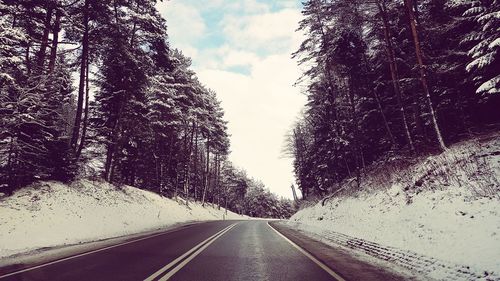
column 33, row 99
column 486, row 39
column 370, row 99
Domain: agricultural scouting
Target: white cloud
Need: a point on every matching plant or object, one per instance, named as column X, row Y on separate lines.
column 288, row 4
column 260, row 106
column 239, row 58
column 226, row 6
column 272, row 31
column 185, row 25
column 188, row 51
column 248, row 6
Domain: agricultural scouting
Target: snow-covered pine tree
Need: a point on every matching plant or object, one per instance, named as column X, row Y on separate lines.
column 33, row 131
column 120, row 106
column 165, row 118
column 485, row 52
column 12, row 38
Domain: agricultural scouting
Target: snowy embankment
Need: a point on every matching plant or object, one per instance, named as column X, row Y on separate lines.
column 51, row 214
column 439, row 217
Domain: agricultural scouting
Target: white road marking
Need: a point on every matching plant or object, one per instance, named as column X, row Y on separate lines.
column 88, row 253
column 189, row 254
column 311, row 257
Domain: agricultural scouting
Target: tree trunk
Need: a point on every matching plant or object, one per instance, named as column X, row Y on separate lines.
column 354, row 123
column 217, row 178
column 86, row 113
column 107, row 164
column 347, row 166
column 113, row 168
column 225, row 198
column 384, row 118
column 27, row 57
column 10, row 168
column 394, row 70
column 196, row 182
column 55, row 40
column 132, row 38
column 40, row 58
column 81, row 86
column 358, row 150
column 113, row 146
column 117, row 20
column 294, row 194
column 185, row 161
column 188, row 164
column 162, row 176
column 423, row 78
column 207, row 173
column 157, row 164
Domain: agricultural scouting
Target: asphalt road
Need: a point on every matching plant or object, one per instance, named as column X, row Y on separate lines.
column 222, row 250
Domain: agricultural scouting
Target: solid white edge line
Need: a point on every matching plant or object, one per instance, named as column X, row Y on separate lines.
column 88, row 253
column 311, row 257
column 172, row 263
column 186, row 261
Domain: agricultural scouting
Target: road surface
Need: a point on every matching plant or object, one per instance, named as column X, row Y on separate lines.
column 222, row 250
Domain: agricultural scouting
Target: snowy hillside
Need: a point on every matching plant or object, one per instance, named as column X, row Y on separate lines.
column 51, row 214
column 446, row 207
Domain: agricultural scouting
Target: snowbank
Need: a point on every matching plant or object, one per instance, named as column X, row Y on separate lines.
column 447, row 209
column 50, row 214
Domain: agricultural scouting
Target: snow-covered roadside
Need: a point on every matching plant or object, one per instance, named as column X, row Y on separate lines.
column 51, row 214
column 455, row 222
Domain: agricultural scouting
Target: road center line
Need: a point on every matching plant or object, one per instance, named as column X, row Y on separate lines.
column 311, row 257
column 188, row 256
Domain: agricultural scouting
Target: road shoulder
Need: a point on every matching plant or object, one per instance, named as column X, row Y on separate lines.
column 347, row 263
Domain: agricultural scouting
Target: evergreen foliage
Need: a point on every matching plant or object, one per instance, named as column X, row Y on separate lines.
column 388, row 79
column 139, row 116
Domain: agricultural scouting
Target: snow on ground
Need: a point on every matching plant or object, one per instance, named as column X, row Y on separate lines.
column 453, row 215
column 50, row 214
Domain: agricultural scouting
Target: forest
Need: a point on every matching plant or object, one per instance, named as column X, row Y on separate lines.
column 92, row 89
column 388, row 80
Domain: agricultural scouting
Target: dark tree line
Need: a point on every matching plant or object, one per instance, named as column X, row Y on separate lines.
column 88, row 83
column 391, row 78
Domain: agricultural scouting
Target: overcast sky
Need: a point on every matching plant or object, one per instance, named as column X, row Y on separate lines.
column 241, row 49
